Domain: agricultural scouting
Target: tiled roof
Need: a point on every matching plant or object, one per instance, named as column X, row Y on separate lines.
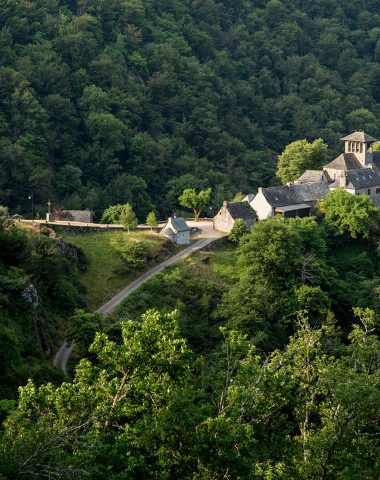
column 363, row 178
column 346, row 161
column 241, row 210
column 359, row 137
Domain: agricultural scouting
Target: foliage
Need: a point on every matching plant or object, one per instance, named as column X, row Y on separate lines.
column 151, row 220
column 128, row 218
column 238, row 231
column 132, row 252
column 3, row 211
column 114, row 213
column 150, row 409
column 196, row 201
column 276, row 259
column 39, row 289
column 300, row 156
column 105, row 273
column 355, row 215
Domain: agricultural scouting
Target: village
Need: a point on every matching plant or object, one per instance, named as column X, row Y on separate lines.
column 357, row 171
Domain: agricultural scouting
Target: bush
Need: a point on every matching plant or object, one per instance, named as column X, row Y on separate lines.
column 238, row 230
column 133, row 253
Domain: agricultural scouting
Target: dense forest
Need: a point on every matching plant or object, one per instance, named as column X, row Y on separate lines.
column 259, row 360
column 106, row 102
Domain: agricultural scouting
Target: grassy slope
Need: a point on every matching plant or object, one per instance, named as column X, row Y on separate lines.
column 104, row 276
column 194, row 286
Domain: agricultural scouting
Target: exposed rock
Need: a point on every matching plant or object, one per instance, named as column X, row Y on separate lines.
column 65, row 249
column 29, row 293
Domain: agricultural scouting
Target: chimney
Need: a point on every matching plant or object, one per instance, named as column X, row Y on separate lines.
column 225, row 203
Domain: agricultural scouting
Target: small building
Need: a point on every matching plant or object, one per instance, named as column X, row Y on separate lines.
column 225, row 219
column 83, row 216
column 294, row 200
column 177, row 230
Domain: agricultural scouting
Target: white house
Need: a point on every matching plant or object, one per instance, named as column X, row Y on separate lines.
column 177, row 230
column 294, row 200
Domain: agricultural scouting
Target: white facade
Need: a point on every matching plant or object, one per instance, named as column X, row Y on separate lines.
column 261, row 206
column 177, row 231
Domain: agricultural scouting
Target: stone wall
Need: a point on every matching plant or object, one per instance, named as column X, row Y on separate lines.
column 218, row 242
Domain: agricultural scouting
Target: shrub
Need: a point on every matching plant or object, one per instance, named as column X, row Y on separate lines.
column 133, row 253
column 238, row 230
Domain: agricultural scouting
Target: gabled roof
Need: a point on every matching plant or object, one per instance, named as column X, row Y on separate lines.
column 310, row 192
column 363, row 178
column 248, row 198
column 279, row 196
column 359, row 137
column 241, row 210
column 346, row 161
column 176, row 225
column 295, row 194
column 312, row 176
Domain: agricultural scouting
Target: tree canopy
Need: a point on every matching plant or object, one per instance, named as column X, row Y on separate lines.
column 300, row 156
column 106, row 103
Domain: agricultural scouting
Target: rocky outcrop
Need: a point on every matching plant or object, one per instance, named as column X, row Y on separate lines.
column 29, row 293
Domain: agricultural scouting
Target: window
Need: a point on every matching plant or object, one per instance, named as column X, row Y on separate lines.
column 377, row 190
column 369, row 191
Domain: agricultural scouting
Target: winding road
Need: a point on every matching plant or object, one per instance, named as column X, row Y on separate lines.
column 207, row 235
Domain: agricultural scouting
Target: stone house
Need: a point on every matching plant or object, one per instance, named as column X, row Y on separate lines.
column 81, row 216
column 294, row 200
column 177, row 230
column 225, row 219
column 357, row 170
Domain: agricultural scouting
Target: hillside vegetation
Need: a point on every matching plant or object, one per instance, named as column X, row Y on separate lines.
column 39, row 290
column 106, row 102
column 105, row 272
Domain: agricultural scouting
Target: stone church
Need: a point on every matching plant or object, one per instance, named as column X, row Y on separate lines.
column 357, row 170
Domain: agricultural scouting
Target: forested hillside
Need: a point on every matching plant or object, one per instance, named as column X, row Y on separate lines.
column 39, row 290
column 115, row 101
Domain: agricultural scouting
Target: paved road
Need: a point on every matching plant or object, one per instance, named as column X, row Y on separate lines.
column 207, row 236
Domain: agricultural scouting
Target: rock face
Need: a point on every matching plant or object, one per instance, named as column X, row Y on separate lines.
column 65, row 249
column 29, row 293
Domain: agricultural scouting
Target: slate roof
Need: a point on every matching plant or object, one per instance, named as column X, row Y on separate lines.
column 295, row 194
column 84, row 216
column 177, row 224
column 363, row 178
column 345, row 161
column 309, row 192
column 359, row 137
column 312, row 176
column 241, row 210
column 248, row 198
column 279, row 196
column 376, row 159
